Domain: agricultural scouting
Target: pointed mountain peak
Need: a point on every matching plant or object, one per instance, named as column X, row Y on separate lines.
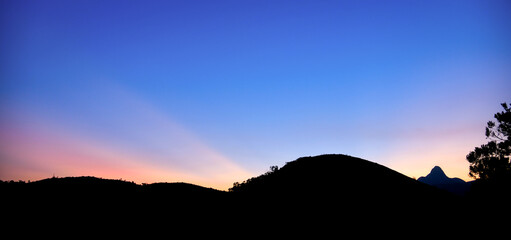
column 436, row 168
column 437, row 172
column 436, row 176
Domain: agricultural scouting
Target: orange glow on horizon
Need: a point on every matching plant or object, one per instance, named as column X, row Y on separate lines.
column 44, row 148
column 417, row 157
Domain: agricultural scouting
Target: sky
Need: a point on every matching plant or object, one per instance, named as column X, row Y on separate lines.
column 214, row 92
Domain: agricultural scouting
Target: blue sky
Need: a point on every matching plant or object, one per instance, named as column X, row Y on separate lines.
column 242, row 85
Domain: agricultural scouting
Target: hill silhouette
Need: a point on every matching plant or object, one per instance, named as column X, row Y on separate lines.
column 439, row 179
column 320, row 191
column 178, row 188
column 337, row 178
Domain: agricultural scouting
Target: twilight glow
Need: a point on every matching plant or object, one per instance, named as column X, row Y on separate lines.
column 213, row 92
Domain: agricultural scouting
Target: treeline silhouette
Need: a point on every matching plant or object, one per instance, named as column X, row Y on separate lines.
column 91, row 191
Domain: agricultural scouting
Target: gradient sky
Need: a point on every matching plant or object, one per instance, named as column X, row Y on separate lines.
column 213, row 92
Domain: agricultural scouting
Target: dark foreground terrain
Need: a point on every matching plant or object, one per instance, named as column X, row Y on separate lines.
column 328, row 192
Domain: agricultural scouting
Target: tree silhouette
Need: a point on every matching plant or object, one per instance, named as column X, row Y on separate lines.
column 490, row 162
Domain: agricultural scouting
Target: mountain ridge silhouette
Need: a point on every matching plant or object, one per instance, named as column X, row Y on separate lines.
column 439, row 179
column 320, row 192
column 319, row 173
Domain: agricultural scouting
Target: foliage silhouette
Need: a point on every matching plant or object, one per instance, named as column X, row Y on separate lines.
column 490, row 162
column 490, row 165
